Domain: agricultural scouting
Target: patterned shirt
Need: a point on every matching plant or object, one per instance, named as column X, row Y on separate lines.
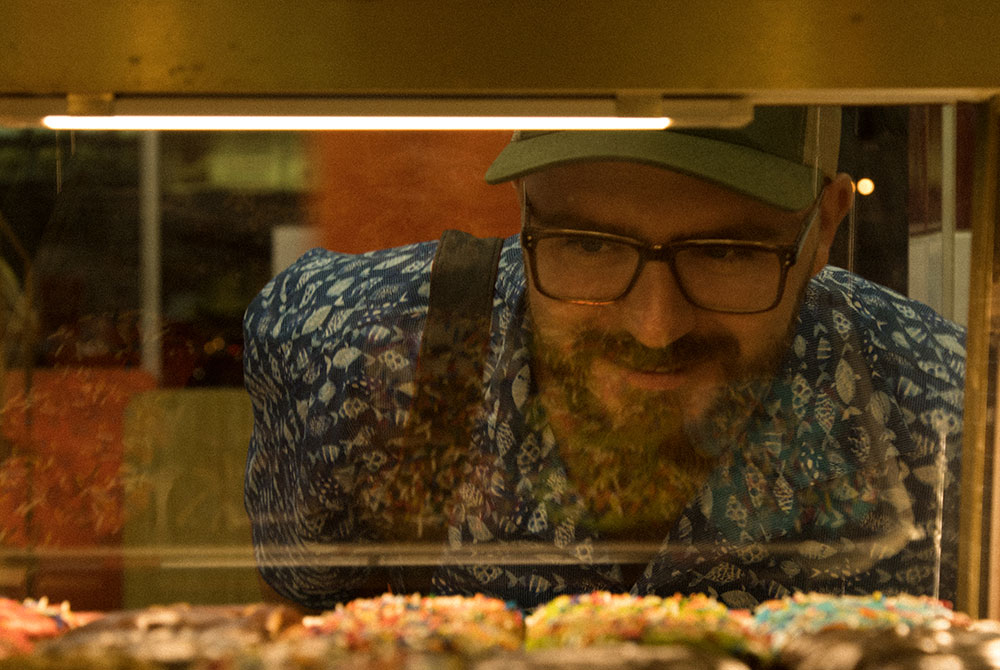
column 844, row 481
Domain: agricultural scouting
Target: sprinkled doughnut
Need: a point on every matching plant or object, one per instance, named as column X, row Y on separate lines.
column 603, row 618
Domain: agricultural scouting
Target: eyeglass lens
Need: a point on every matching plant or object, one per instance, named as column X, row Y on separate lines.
column 725, row 277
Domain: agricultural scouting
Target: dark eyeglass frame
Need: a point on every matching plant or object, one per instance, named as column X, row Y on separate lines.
column 788, row 254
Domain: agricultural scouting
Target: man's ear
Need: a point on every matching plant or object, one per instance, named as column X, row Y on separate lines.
column 838, row 198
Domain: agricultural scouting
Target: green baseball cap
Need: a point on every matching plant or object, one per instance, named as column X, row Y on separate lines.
column 780, row 158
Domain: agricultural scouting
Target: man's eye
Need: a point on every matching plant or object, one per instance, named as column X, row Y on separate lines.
column 726, row 253
column 587, row 245
column 571, row 249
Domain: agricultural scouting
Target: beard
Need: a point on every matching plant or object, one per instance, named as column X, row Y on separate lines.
column 640, row 457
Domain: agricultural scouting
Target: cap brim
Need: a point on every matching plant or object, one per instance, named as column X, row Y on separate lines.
column 765, row 177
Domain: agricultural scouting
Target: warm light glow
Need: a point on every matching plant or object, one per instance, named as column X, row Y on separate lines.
column 66, row 122
column 865, row 186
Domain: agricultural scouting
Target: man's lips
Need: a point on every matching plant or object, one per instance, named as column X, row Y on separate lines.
column 687, row 362
column 661, row 378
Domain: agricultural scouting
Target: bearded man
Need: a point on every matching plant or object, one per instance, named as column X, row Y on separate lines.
column 675, row 392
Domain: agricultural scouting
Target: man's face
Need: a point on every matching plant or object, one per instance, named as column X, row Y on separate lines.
column 652, row 348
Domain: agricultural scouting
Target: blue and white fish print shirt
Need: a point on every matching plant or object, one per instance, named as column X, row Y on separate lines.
column 846, row 481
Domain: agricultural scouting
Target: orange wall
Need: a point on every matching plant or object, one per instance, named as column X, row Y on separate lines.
column 383, row 189
column 61, row 479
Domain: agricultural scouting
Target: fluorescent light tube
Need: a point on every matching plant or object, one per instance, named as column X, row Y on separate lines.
column 304, row 123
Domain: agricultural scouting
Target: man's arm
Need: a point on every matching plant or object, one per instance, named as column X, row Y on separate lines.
column 330, row 346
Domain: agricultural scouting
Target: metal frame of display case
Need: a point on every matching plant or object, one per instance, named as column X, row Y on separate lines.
column 634, row 57
column 979, row 546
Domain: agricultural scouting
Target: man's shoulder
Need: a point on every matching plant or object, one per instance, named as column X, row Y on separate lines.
column 866, row 300
column 324, row 287
column 889, row 322
column 347, row 277
column 328, row 291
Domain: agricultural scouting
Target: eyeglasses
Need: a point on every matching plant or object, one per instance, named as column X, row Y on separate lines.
column 595, row 268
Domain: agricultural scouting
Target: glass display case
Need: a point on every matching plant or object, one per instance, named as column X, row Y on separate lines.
column 128, row 260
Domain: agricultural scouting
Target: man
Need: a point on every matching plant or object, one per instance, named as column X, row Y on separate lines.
column 678, row 394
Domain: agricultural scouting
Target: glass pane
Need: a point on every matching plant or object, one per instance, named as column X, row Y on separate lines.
column 129, row 262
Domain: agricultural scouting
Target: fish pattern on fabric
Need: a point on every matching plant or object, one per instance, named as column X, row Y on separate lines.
column 832, row 487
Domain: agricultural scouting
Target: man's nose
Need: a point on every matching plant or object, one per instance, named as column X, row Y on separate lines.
column 655, row 311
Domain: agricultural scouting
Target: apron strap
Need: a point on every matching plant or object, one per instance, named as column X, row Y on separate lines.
column 437, row 454
column 456, row 338
column 460, row 305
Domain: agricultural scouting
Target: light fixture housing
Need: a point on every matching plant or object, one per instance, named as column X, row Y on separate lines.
column 626, row 111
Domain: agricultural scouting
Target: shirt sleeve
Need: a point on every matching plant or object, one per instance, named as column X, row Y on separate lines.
column 330, row 350
column 919, row 358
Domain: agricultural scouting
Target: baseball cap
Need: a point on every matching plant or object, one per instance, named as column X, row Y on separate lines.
column 779, row 158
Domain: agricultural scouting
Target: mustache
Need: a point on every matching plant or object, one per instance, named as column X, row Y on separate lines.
column 625, row 350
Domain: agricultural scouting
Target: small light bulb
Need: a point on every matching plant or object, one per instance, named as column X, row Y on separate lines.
column 865, row 186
